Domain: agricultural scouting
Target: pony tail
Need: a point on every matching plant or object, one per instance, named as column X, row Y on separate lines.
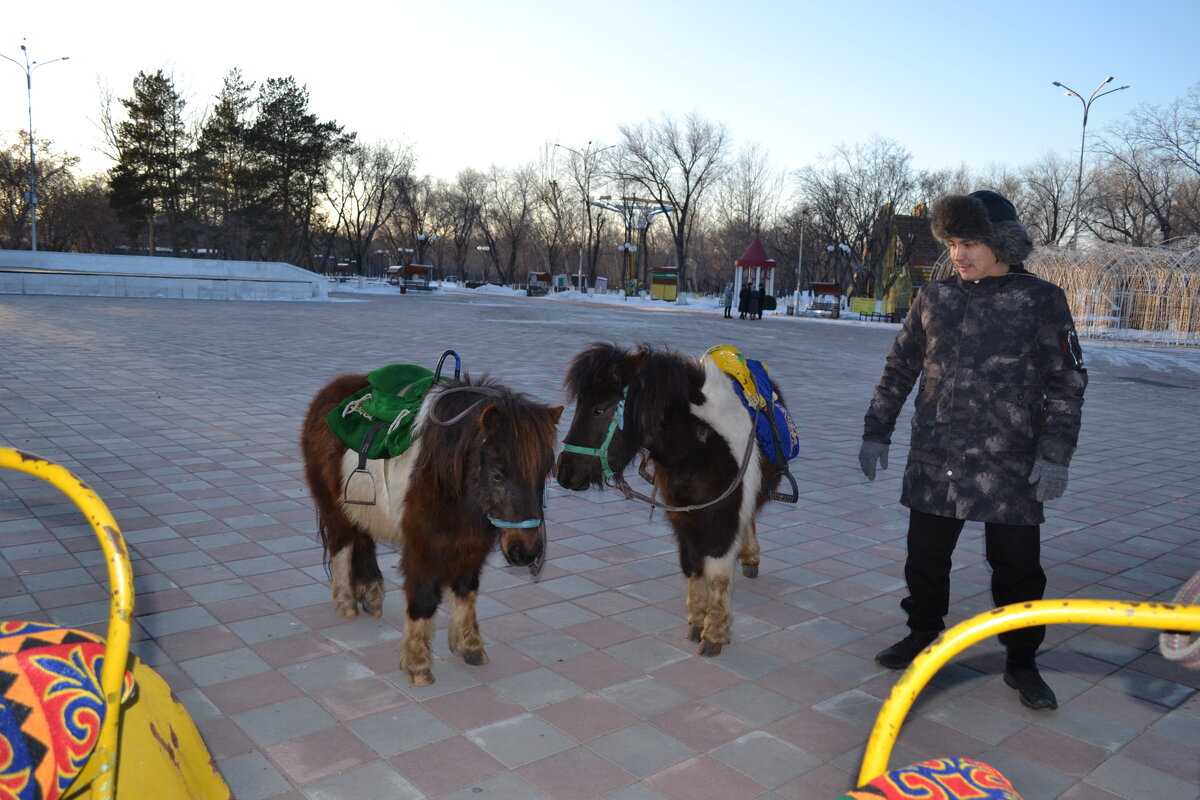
column 323, row 532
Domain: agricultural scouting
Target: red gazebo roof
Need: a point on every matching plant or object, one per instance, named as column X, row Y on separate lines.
column 755, row 256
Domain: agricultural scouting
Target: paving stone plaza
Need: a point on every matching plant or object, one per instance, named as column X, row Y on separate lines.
column 185, row 416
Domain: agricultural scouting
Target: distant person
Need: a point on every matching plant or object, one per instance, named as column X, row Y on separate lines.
column 760, row 299
column 744, row 301
column 754, row 308
column 996, row 422
column 727, row 299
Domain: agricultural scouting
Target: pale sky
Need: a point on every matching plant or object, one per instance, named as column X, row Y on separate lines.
column 471, row 83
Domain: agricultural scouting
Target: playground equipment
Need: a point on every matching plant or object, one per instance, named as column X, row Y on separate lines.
column 1175, row 619
column 80, row 717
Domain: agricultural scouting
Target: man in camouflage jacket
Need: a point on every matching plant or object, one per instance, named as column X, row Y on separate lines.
column 996, row 421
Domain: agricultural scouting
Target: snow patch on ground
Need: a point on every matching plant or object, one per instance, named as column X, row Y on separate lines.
column 1158, row 358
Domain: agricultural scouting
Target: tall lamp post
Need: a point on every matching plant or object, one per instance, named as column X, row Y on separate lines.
column 484, row 250
column 1087, row 105
column 28, row 67
column 800, row 261
column 424, row 241
column 584, row 185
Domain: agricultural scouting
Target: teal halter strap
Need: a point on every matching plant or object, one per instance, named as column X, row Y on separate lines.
column 601, row 452
column 525, row 523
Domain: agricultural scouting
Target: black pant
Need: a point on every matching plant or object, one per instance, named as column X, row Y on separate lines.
column 1013, row 552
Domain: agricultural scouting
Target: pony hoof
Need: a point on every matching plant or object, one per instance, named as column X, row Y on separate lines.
column 420, row 677
column 374, row 609
column 694, row 633
column 750, row 570
column 710, row 649
column 476, row 658
column 347, row 611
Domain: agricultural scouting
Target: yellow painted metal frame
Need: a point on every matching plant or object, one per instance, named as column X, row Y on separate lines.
column 150, row 747
column 1160, row 616
column 103, row 760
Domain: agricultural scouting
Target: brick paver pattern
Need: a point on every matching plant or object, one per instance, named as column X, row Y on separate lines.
column 185, row 416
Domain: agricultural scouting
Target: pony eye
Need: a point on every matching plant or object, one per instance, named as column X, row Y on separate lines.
column 599, row 411
column 497, row 476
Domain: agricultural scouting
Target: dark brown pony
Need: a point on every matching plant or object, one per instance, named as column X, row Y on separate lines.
column 474, row 476
column 686, row 414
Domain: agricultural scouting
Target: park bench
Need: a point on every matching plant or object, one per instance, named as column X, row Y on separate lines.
column 827, row 299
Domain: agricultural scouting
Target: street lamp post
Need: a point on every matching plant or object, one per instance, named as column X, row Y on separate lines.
column 628, row 250
column 424, row 240
column 584, row 186
column 483, row 251
column 800, row 261
column 1087, row 105
column 28, row 67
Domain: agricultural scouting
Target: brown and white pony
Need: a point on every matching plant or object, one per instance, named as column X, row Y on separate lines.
column 474, row 475
column 685, row 413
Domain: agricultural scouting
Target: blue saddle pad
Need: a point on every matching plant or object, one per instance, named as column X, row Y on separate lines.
column 789, row 440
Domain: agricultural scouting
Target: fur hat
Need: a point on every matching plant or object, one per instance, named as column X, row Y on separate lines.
column 985, row 217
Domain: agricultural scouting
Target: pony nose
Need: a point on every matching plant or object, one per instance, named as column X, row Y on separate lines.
column 519, row 555
column 563, row 473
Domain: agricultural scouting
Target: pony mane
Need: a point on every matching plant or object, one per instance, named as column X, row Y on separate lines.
column 666, row 381
column 528, row 432
column 598, row 363
column 665, row 386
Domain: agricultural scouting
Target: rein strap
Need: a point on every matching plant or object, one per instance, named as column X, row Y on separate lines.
column 632, row 494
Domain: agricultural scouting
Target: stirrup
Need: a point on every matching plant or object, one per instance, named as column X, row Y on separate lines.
column 362, row 470
column 786, row 498
column 359, row 493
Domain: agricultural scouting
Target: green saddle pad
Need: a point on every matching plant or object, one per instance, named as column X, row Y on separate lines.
column 391, row 399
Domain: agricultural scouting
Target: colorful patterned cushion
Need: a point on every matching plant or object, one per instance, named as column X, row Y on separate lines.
column 939, row 779
column 51, row 708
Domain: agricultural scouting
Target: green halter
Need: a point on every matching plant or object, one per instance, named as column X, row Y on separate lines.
column 601, row 452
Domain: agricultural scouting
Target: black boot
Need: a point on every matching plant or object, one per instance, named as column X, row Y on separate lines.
column 901, row 654
column 1021, row 673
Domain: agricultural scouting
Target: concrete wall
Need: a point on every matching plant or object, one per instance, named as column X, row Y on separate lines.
column 90, row 275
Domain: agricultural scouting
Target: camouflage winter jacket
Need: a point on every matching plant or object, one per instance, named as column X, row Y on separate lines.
column 1001, row 383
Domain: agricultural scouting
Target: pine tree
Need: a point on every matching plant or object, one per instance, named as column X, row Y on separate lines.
column 153, row 145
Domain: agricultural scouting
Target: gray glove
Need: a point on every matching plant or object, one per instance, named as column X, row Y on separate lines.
column 868, row 454
column 1051, row 480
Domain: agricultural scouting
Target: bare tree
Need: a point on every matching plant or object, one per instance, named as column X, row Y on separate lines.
column 853, row 198
column 1117, row 210
column 55, row 181
column 748, row 197
column 506, row 219
column 587, row 171
column 365, row 191
column 550, row 234
column 552, row 215
column 675, row 167
column 1048, row 198
column 1173, row 130
column 81, row 219
column 1149, row 178
column 456, row 211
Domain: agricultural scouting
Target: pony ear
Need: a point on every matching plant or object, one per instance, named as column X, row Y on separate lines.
column 556, row 412
column 629, row 366
column 489, row 420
